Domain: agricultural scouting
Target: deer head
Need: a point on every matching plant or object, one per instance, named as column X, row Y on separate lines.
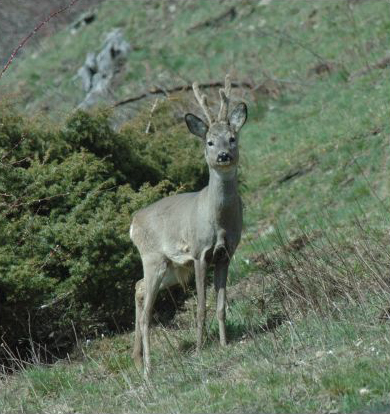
column 219, row 135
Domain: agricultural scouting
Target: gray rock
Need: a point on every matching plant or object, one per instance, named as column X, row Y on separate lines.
column 88, row 71
column 98, row 70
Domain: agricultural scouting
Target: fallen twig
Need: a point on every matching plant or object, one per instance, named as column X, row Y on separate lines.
column 380, row 64
column 184, row 88
column 230, row 15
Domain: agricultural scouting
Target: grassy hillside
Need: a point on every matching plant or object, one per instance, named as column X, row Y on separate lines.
column 17, row 22
column 309, row 294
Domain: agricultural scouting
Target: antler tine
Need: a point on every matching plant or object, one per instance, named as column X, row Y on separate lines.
column 228, row 85
column 202, row 100
column 225, row 95
column 223, row 110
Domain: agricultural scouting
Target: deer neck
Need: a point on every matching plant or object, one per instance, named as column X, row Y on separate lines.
column 222, row 195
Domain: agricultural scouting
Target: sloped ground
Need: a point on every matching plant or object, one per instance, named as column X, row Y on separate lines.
column 17, row 20
column 309, row 297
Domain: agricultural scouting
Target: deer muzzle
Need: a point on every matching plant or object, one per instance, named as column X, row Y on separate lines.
column 224, row 158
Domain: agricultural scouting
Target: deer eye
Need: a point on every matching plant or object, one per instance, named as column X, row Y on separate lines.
column 232, row 139
column 210, row 143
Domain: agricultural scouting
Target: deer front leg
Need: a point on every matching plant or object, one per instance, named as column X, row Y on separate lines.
column 200, row 279
column 220, row 276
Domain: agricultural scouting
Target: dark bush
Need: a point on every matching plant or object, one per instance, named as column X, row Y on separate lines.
column 66, row 200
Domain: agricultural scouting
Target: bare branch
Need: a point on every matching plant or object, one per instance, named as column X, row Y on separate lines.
column 4, row 156
column 36, row 29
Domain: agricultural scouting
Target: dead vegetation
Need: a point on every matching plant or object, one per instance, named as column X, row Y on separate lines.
column 314, row 271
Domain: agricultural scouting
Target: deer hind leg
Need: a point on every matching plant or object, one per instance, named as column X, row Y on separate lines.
column 154, row 270
column 139, row 300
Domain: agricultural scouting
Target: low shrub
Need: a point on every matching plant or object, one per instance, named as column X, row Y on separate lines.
column 66, row 199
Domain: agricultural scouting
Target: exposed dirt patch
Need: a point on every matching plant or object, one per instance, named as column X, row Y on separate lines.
column 322, row 68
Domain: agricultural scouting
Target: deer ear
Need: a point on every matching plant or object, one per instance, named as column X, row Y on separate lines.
column 238, row 116
column 196, row 126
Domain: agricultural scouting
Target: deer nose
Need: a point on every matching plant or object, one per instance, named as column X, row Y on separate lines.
column 223, row 157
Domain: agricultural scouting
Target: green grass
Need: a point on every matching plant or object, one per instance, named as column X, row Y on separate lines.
column 301, row 35
column 310, row 280
column 309, row 366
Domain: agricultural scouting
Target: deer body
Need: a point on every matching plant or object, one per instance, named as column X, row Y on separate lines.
column 186, row 227
column 183, row 234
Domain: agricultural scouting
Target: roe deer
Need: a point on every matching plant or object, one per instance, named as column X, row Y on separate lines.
column 187, row 232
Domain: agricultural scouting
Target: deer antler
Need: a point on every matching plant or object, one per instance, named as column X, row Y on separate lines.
column 225, row 96
column 202, row 100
